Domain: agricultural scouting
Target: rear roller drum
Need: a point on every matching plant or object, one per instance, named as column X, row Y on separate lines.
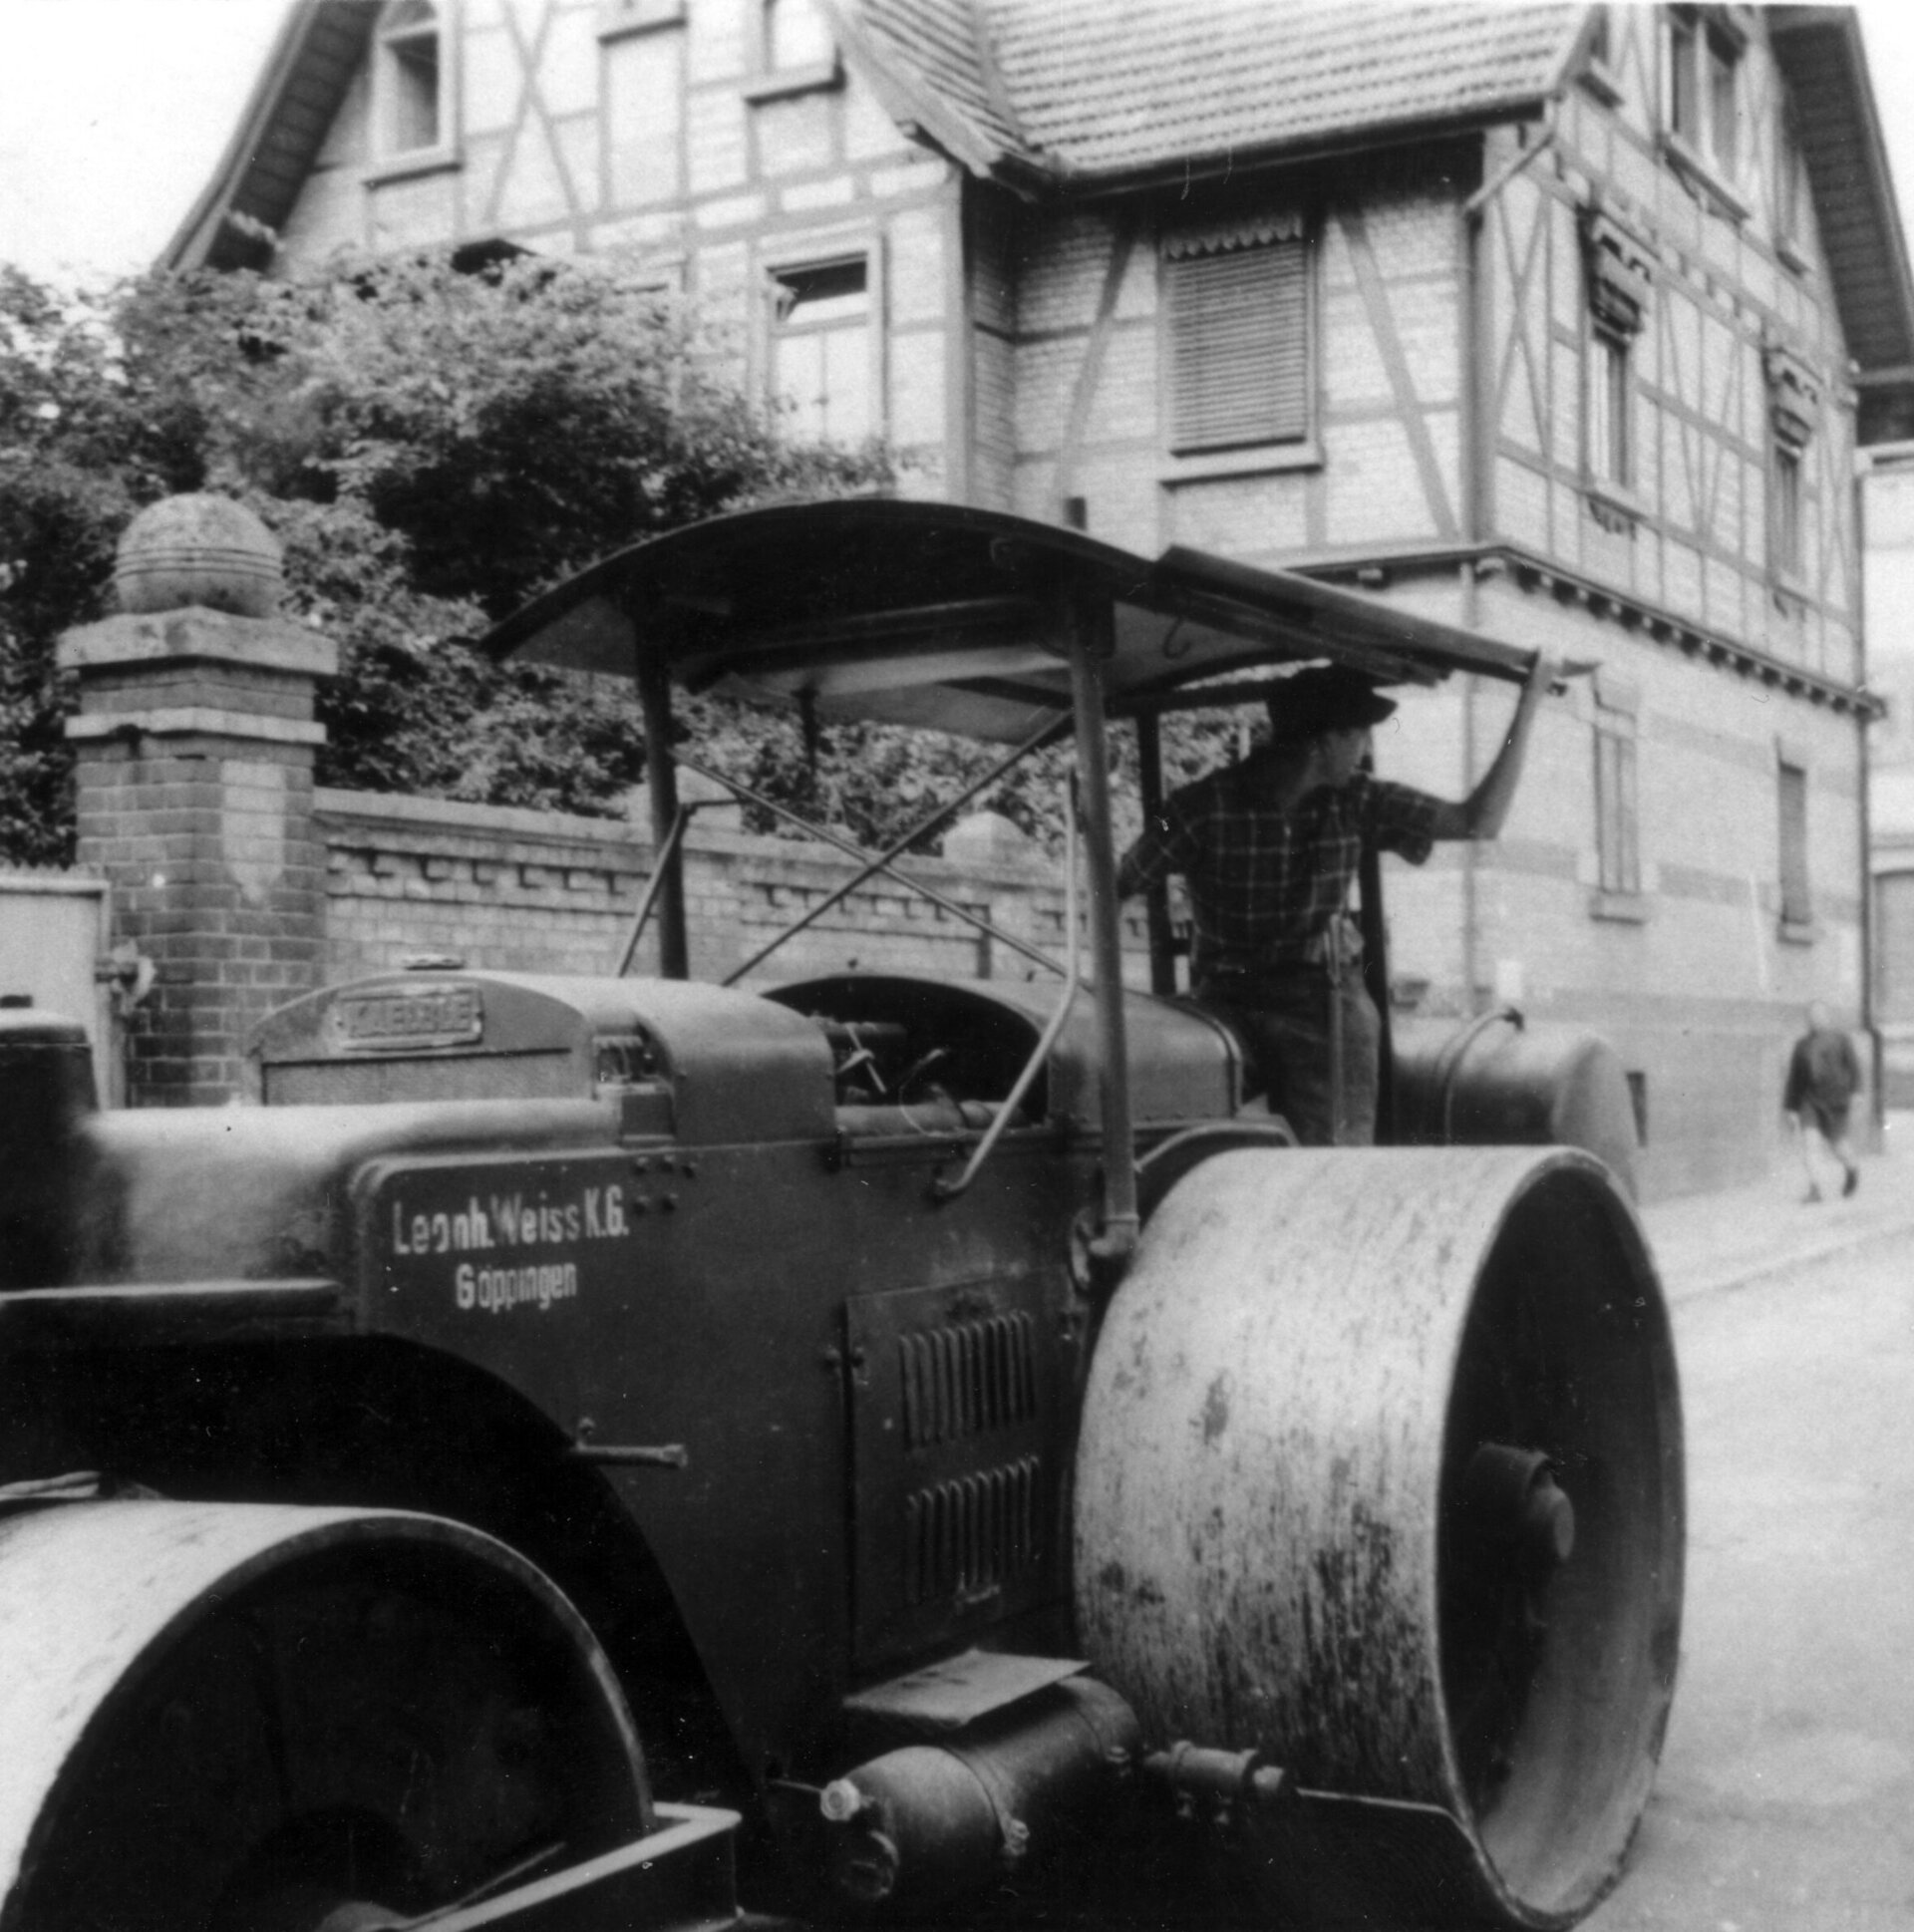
column 236, row 1719
column 1381, row 1476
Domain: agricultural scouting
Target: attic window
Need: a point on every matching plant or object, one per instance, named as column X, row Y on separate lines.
column 411, row 109
column 1704, row 96
column 1239, row 338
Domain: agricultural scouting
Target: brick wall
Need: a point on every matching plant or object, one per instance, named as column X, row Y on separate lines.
column 528, row 891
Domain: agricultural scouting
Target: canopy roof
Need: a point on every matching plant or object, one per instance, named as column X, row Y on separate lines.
column 958, row 619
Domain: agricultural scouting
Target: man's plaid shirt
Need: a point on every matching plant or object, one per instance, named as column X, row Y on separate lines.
column 1264, row 883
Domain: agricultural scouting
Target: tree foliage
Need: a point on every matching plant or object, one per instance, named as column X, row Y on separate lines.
column 432, row 449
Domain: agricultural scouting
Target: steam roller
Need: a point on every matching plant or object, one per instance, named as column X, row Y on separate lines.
column 274, row 1718
column 1380, row 1518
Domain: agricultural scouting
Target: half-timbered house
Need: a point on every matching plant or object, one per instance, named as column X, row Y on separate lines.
column 1562, row 321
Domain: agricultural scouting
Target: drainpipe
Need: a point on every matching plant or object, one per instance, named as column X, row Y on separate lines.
column 1876, row 1109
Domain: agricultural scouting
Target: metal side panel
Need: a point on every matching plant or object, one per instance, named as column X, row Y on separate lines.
column 956, row 1459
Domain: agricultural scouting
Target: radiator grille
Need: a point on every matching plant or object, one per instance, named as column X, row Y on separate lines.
column 968, row 1377
column 974, row 1534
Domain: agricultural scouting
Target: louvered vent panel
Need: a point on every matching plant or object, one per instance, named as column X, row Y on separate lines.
column 968, row 1377
column 974, row 1534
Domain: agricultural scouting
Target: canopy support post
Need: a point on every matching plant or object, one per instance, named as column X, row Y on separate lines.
column 1149, row 774
column 1093, row 641
column 661, row 783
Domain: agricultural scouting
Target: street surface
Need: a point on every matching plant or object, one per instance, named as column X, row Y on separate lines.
column 1786, row 1794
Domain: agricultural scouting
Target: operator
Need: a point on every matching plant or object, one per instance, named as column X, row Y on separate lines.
column 1267, row 848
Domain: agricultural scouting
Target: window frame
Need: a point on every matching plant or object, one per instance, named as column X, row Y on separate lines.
column 389, row 162
column 772, row 82
column 1794, row 878
column 623, row 24
column 1616, row 777
column 778, row 275
column 1704, row 55
column 1253, row 448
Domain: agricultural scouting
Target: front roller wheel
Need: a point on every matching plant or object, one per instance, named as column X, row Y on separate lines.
column 224, row 1717
column 1381, row 1476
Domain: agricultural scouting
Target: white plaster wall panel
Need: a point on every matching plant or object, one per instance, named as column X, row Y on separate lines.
column 918, row 174
column 1121, row 503
column 917, row 389
column 644, row 117
column 1412, row 230
column 580, row 151
column 1375, row 491
column 345, row 143
column 718, row 154
column 869, row 132
column 794, row 137
column 924, row 478
column 1562, row 433
column 1609, row 555
column 532, row 186
column 1635, row 173
column 1034, row 487
column 416, row 213
column 568, row 63
column 724, row 39
column 1562, row 271
column 1063, row 272
column 1234, row 515
column 1521, row 505
column 731, row 212
column 914, row 260
column 1046, row 373
column 805, row 197
column 483, row 157
column 1353, row 372
column 1124, row 408
column 1726, row 591
column 491, row 82
column 1428, row 327
column 329, row 216
column 1682, row 577
column 1721, row 246
column 1676, row 457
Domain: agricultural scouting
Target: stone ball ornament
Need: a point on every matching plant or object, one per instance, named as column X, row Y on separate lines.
column 201, row 549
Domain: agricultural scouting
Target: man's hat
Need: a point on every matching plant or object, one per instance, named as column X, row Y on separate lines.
column 1328, row 696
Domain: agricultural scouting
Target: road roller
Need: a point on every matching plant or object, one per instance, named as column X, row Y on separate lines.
column 646, row 1452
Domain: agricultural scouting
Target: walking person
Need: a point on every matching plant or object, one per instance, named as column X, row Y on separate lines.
column 1267, row 848
column 1823, row 1076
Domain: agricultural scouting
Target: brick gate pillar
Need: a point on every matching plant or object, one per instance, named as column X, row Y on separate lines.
column 195, row 740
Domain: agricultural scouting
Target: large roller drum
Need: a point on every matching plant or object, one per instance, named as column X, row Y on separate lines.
column 252, row 1719
column 1381, row 1476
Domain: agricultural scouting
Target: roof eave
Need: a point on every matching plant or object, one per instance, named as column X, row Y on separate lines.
column 1327, row 145
column 196, row 236
column 1895, row 379
column 917, row 108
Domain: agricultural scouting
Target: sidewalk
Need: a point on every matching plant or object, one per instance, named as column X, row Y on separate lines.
column 1705, row 1243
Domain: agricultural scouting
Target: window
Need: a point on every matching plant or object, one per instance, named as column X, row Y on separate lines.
column 1610, row 399
column 1618, row 843
column 1788, row 512
column 644, row 115
column 1618, row 289
column 797, row 34
column 1239, row 339
column 411, row 105
column 1793, row 398
column 821, row 349
column 1704, row 76
column 1797, row 911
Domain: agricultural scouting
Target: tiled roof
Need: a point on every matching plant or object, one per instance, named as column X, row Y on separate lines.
column 1092, row 88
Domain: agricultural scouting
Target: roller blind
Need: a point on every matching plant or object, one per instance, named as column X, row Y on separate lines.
column 1239, row 346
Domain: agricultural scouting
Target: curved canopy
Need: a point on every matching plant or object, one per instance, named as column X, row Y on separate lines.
column 958, row 619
